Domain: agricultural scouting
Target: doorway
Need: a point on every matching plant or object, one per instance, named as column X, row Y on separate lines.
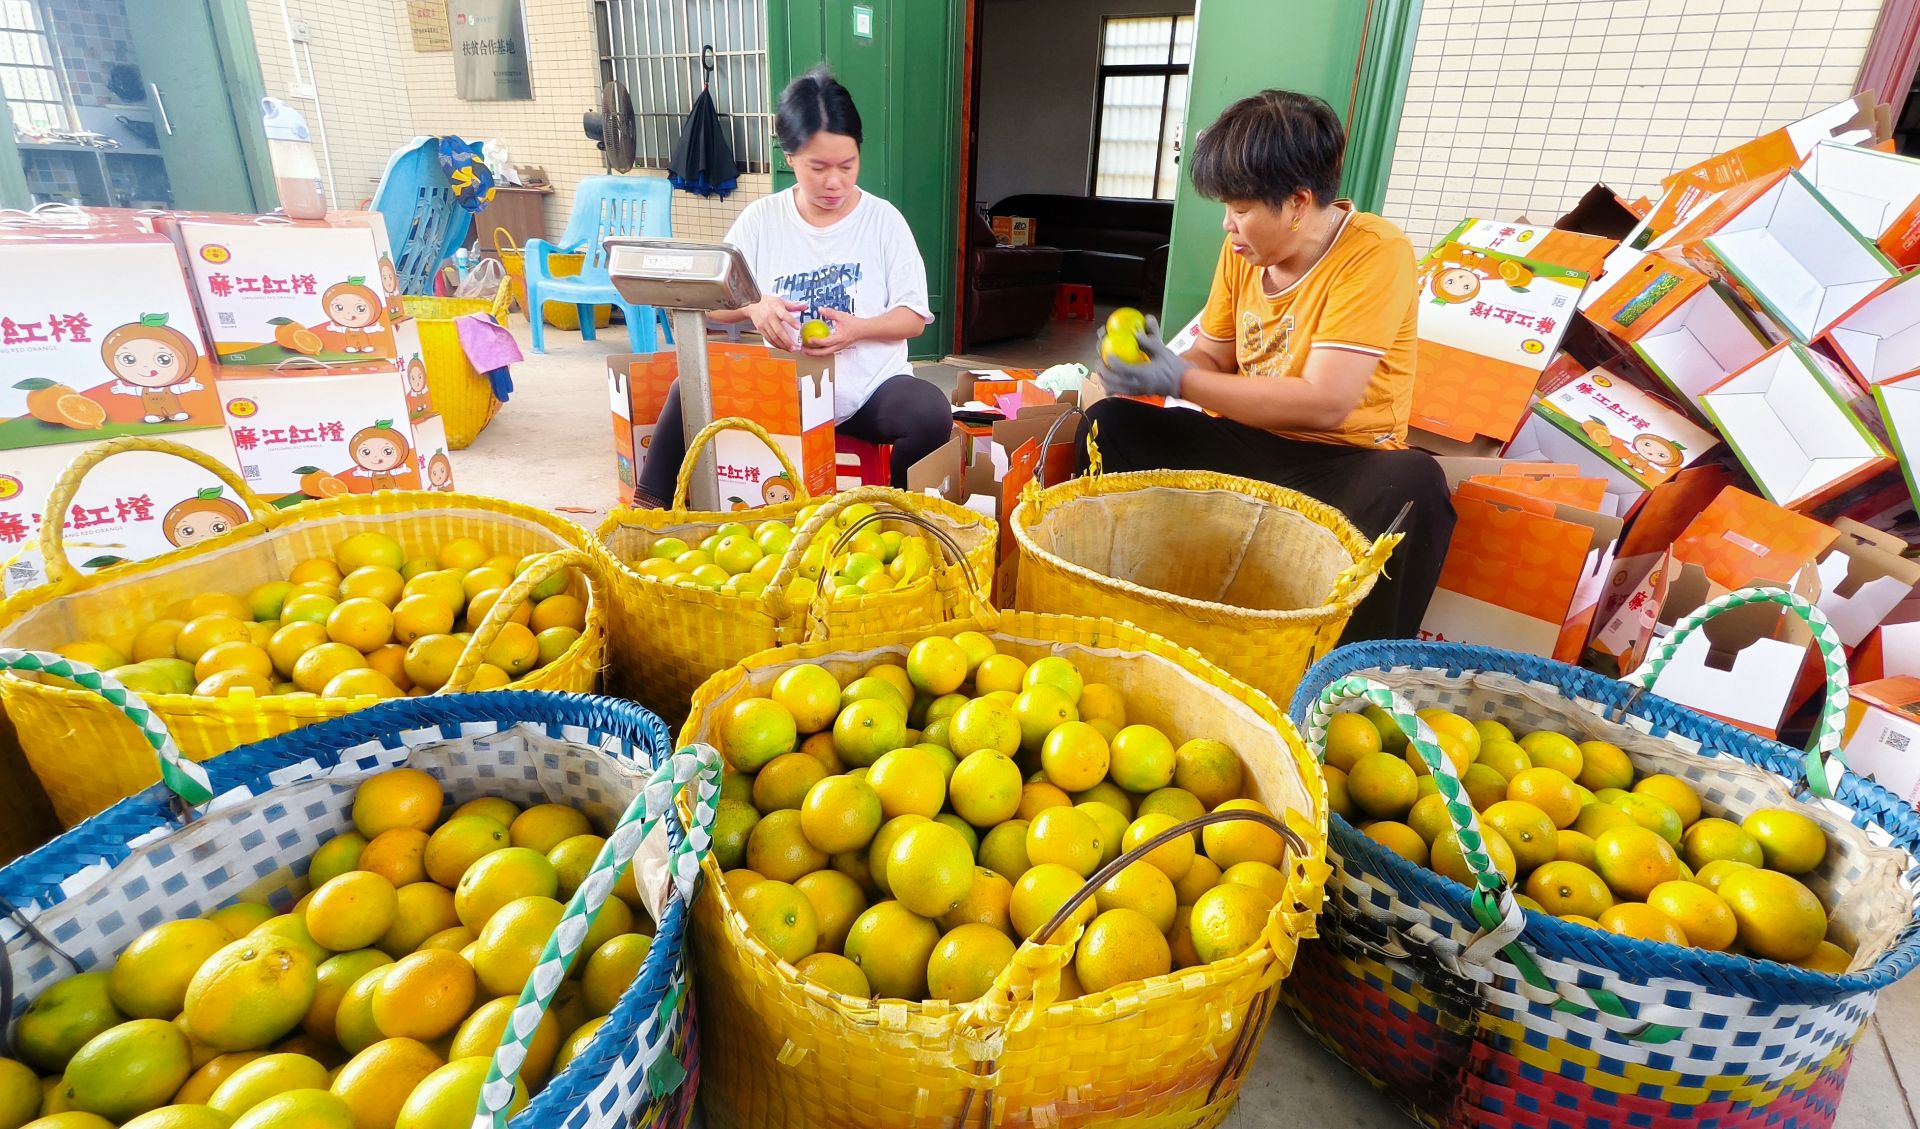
column 132, row 104
column 1075, row 110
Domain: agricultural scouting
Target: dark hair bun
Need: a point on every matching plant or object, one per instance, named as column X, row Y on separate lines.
column 814, row 103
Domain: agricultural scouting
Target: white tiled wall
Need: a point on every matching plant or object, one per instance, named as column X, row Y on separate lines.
column 1518, row 108
column 377, row 93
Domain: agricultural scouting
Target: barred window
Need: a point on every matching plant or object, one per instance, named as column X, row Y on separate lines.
column 1143, row 103
column 654, row 48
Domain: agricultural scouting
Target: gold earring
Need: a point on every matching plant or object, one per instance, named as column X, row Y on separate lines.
column 1296, row 223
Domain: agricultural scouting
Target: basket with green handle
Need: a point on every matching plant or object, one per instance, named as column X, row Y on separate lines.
column 1470, row 1010
column 242, row 827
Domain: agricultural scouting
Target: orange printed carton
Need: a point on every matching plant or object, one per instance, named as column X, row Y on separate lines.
column 1584, row 253
column 319, row 436
column 1688, row 330
column 1631, row 430
column 135, row 505
column 1489, row 325
column 97, row 339
column 430, row 451
column 637, row 387
column 788, row 394
column 1851, row 122
column 1522, row 572
column 271, row 291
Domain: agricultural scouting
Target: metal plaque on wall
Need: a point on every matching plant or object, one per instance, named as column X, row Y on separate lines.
column 427, row 20
column 490, row 51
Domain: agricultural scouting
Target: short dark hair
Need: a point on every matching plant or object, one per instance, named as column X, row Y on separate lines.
column 1264, row 148
column 811, row 103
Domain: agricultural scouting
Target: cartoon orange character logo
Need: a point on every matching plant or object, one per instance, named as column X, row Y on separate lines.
column 378, row 454
column 1456, row 278
column 390, row 282
column 1659, row 451
column 1454, row 285
column 416, row 377
column 155, row 362
column 203, row 516
column 778, row 490
column 352, row 308
column 440, row 471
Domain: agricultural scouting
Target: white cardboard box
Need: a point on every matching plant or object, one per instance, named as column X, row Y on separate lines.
column 1899, row 403
column 1883, row 727
column 1879, row 339
column 1701, row 344
column 1791, row 430
column 1863, row 577
column 1878, row 193
column 1747, row 678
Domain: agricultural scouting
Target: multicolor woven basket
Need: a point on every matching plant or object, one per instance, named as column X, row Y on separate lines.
column 1258, row 578
column 75, row 903
column 462, row 395
column 666, row 640
column 783, row 1053
column 1470, row 1011
column 54, row 720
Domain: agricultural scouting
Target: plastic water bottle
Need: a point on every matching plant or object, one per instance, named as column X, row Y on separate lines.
column 296, row 173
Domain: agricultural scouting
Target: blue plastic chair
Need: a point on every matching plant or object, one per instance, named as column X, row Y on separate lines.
column 424, row 222
column 602, row 206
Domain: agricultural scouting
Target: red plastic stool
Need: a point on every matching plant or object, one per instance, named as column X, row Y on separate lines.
column 1073, row 301
column 860, row 463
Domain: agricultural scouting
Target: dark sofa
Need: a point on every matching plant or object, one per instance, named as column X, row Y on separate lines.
column 1116, row 246
column 1010, row 289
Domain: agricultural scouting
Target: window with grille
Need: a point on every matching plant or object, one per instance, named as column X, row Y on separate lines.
column 654, row 48
column 1143, row 103
column 28, row 72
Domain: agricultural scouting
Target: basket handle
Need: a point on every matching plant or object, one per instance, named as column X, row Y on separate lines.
column 498, row 231
column 695, row 771
column 515, row 594
column 1824, row 762
column 1003, row 983
column 978, row 609
column 60, row 498
column 502, row 301
column 187, row 780
column 809, row 531
column 684, row 483
column 1492, row 902
column 1375, row 560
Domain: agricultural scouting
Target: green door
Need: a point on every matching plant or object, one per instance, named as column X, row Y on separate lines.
column 901, row 61
column 197, row 59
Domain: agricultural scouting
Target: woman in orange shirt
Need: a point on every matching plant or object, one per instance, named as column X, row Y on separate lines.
column 1304, row 364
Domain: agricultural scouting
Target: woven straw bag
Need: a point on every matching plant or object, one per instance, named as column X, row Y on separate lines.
column 115, row 602
column 1167, row 1052
column 462, row 395
column 666, row 639
column 242, row 828
column 1258, row 578
column 1470, row 1011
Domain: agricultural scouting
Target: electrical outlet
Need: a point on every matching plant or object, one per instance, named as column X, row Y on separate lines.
column 305, row 90
column 300, row 33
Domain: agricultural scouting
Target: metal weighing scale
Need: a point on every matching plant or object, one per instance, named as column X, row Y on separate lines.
column 691, row 280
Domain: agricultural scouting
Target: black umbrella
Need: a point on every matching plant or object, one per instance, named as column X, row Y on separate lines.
column 702, row 160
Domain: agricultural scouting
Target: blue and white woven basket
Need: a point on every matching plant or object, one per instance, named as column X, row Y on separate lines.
column 1470, row 1011
column 75, row 903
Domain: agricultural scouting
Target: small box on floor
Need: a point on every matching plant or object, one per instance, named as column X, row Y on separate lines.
column 134, row 505
column 788, row 394
column 319, row 436
column 1014, row 231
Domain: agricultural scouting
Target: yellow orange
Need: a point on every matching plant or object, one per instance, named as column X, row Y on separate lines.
column 1790, row 842
column 336, row 975
column 1399, row 838
column 479, row 1036
column 891, row 945
column 1634, row 860
column 1227, row 920
column 250, row 993
column 398, row 855
column 352, row 911
column 397, row 798
column 423, row 910
column 509, row 945
column 1550, row 791
column 424, row 995
column 1700, row 913
column 1778, row 918
column 543, row 827
column 1637, row 919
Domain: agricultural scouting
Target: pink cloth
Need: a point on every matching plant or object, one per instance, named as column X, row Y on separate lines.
column 487, row 344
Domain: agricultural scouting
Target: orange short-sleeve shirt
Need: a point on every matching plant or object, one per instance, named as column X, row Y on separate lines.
column 1361, row 297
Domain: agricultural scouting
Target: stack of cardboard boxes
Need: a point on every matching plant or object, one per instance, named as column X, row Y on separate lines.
column 1658, row 402
column 278, row 349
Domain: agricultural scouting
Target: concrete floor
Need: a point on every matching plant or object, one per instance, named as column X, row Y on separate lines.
column 552, row 446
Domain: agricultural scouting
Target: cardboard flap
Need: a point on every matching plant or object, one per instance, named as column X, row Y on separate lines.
column 1790, row 429
column 942, row 472
column 1703, row 340
column 1879, row 339
column 1869, row 188
column 1740, row 539
column 1798, row 256
column 1545, row 442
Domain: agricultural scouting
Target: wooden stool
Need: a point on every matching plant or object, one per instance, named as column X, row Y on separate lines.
column 860, row 463
column 1073, row 302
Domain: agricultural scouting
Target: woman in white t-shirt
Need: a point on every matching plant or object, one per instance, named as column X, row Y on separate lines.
column 824, row 249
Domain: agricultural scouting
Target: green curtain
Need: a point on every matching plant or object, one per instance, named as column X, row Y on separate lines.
column 1380, row 91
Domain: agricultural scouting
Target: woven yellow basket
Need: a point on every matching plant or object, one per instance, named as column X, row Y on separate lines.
column 560, row 264
column 782, row 1053
column 666, row 640
column 462, row 396
column 1257, row 578
column 85, row 752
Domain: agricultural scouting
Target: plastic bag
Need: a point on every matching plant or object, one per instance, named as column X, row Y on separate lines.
column 483, row 279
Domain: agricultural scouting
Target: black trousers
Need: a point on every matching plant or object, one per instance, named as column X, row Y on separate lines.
column 1369, row 486
column 906, row 413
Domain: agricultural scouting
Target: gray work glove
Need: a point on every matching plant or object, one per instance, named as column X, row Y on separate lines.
column 1158, row 375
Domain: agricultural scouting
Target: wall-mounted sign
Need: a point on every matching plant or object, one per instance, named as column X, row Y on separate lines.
column 490, row 51
column 427, row 19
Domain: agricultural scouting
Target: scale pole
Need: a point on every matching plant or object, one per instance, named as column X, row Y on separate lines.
column 696, row 402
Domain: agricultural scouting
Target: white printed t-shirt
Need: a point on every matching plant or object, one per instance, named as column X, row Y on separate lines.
column 865, row 264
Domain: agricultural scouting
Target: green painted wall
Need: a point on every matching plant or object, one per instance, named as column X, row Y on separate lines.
column 1240, row 47
column 906, row 81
